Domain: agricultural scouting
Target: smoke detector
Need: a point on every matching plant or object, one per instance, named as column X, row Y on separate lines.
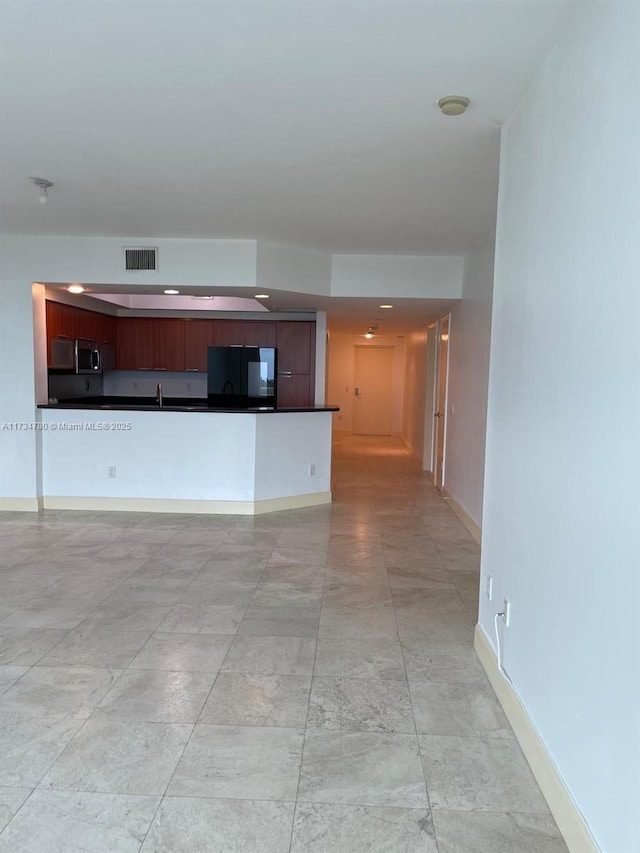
column 453, row 105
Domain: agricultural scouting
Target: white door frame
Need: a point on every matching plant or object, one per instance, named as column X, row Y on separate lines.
column 444, row 414
column 428, row 448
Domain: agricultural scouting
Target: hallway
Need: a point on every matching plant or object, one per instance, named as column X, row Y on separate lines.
column 302, row 681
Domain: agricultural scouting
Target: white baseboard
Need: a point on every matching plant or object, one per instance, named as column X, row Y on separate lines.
column 295, row 502
column 20, row 504
column 192, row 507
column 474, row 529
column 570, row 820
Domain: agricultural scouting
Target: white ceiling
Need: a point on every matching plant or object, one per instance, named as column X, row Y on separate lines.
column 306, row 122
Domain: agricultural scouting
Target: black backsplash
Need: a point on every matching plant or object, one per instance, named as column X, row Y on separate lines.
column 67, row 386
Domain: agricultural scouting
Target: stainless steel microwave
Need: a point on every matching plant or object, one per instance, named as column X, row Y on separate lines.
column 76, row 356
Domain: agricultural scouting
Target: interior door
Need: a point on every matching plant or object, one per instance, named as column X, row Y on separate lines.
column 373, row 392
column 440, row 415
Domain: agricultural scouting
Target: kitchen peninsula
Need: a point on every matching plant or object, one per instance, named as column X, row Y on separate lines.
column 105, row 447
column 184, row 458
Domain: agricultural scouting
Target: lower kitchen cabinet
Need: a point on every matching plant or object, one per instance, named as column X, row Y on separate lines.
column 293, row 390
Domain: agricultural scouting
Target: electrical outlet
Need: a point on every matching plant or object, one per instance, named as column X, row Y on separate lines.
column 312, row 470
column 111, row 472
column 506, row 607
column 489, row 587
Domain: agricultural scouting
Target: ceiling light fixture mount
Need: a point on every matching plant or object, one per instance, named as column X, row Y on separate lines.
column 453, row 105
column 370, row 331
column 43, row 185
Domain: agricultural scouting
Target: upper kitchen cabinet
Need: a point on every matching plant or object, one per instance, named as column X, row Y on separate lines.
column 228, row 333
column 67, row 321
column 106, row 329
column 198, row 337
column 294, row 346
column 150, row 344
column 260, row 334
column 135, row 344
column 62, row 320
column 168, row 344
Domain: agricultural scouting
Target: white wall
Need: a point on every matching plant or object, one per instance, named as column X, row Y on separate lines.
column 286, row 445
column 469, row 341
column 415, row 386
column 289, row 268
column 341, row 377
column 100, row 260
column 185, row 455
column 562, row 481
column 386, row 276
column 165, row 455
column 18, row 459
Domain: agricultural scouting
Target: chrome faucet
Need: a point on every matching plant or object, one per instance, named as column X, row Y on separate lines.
column 159, row 394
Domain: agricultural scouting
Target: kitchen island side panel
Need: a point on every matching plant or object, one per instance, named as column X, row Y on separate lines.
column 288, row 446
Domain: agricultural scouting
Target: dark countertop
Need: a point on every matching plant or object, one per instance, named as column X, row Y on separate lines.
column 171, row 404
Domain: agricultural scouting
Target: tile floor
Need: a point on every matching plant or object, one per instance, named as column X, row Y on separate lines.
column 297, row 682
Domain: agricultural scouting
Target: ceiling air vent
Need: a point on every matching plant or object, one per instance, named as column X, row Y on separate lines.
column 140, row 258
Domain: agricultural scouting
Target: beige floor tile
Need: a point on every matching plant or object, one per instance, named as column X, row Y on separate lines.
column 246, row 663
column 187, row 825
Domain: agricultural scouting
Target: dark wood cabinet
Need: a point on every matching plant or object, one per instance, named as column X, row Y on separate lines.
column 67, row 321
column 228, row 333
column 294, row 390
column 259, row 334
column 176, row 344
column 294, row 346
column 62, row 321
column 135, row 344
column 106, row 329
column 168, row 345
column 198, row 337
column 150, row 344
column 296, row 363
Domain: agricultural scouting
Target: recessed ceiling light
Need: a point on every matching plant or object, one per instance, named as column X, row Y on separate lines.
column 261, row 296
column 385, row 306
column 75, row 288
column 171, row 292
